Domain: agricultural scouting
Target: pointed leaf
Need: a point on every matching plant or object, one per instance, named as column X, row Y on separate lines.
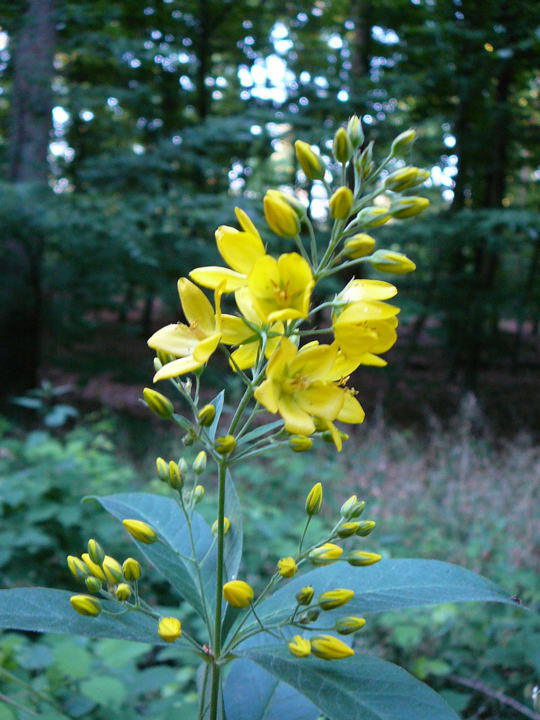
column 217, row 402
column 259, row 432
column 46, row 610
column 363, row 686
column 389, row 585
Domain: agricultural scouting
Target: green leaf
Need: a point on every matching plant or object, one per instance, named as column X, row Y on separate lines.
column 251, row 693
column 45, row 610
column 363, row 686
column 234, row 538
column 259, row 432
column 389, row 585
column 72, row 661
column 104, row 690
column 217, row 402
column 165, row 516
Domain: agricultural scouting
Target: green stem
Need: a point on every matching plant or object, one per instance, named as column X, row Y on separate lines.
column 216, row 675
column 203, row 692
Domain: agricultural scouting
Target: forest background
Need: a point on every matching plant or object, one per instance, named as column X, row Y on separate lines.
column 128, row 132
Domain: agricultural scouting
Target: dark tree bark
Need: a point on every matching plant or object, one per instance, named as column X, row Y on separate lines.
column 21, row 307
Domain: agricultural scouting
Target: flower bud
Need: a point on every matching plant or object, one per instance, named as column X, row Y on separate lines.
column 188, row 439
column 93, row 567
column 392, row 262
column 365, row 165
column 162, row 469
column 77, row 567
column 325, row 554
column 349, row 625
column 402, row 142
column 298, row 207
column 335, row 598
column 358, row 558
column 112, row 569
column 409, row 206
column 225, row 444
column 343, row 148
column 165, row 357
column 352, row 508
column 226, row 526
column 287, row 567
column 170, row 629
column 157, row 364
column 314, row 499
column 199, row 464
column 341, row 203
column 95, row 551
column 305, row 595
column 404, row 178
column 280, row 216
column 198, row 494
column 366, row 527
column 373, row 216
column 299, row 646
column 131, row 569
column 206, row 415
column 347, row 529
column 355, row 131
column 238, row 593
column 310, row 163
column 329, row 647
column 158, row 403
column 313, row 614
column 176, row 481
column 93, row 584
column 359, row 245
column 183, row 466
column 123, row 592
column 85, row 605
column 300, row 443
column 140, row 530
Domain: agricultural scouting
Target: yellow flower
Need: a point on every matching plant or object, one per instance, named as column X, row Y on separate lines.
column 392, row 262
column 287, row 567
column 140, row 530
column 329, row 647
column 299, row 646
column 239, row 249
column 85, row 605
column 246, row 332
column 335, row 598
column 238, row 593
column 193, row 343
column 123, row 592
column 325, row 554
column 301, row 385
column 359, row 558
column 281, row 289
column 170, row 629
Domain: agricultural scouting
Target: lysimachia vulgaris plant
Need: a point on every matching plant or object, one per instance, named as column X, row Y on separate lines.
column 289, row 649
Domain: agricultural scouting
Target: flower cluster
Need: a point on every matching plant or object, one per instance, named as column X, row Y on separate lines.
column 305, row 382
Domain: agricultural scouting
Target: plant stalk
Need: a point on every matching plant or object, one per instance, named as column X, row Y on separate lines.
column 216, row 676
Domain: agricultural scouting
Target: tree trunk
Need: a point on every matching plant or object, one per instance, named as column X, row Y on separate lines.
column 21, row 306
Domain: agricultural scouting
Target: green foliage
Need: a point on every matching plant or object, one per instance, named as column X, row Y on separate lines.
column 42, row 482
column 60, row 677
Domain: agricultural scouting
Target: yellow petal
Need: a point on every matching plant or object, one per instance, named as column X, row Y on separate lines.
column 296, row 274
column 314, row 362
column 177, row 367
column 288, row 314
column 297, row 420
column 246, row 305
column 205, row 348
column 358, row 290
column 386, row 337
column 263, row 278
column 281, row 358
column 354, row 341
column 265, row 394
column 245, row 356
column 196, row 306
column 176, row 339
column 323, row 401
column 234, row 330
column 214, row 276
column 245, row 222
column 352, row 411
column 334, row 434
column 366, row 311
column 372, row 360
column 240, row 250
